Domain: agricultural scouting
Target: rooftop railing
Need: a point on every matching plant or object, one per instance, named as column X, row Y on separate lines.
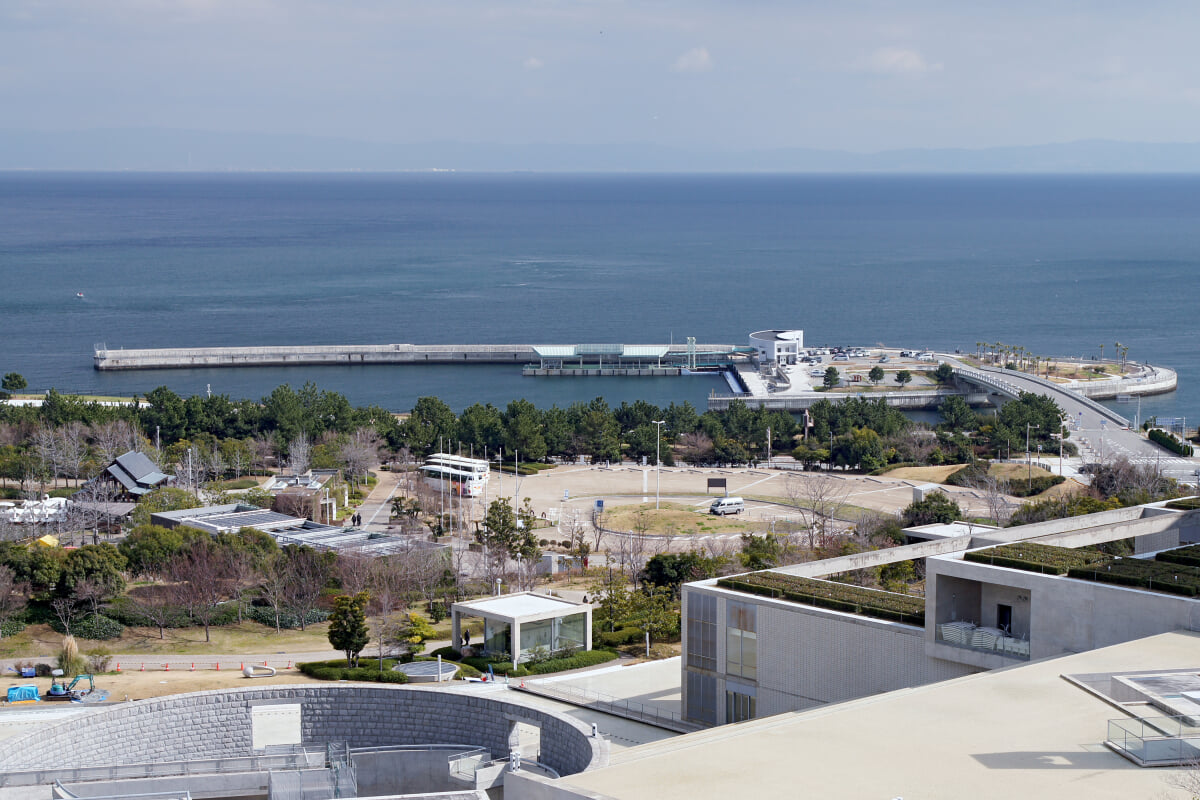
column 1155, row 741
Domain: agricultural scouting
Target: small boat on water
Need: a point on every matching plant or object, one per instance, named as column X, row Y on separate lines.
column 79, row 294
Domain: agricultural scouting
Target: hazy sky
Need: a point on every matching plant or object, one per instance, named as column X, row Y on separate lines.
column 696, row 74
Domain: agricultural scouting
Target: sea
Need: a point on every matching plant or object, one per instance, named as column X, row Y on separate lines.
column 1059, row 265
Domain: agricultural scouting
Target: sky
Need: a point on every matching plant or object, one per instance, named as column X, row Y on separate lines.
column 858, row 75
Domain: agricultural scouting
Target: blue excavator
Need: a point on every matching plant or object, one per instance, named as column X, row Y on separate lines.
column 68, row 692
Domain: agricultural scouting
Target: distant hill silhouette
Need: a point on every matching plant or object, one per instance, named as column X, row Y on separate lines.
column 166, row 149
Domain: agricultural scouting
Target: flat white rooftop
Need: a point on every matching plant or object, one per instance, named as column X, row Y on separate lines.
column 1019, row 732
column 514, row 606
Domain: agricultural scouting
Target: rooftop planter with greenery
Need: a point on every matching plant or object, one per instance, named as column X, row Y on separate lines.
column 1157, row 576
column 837, row 596
column 1182, row 555
column 1186, row 504
column 1032, row 557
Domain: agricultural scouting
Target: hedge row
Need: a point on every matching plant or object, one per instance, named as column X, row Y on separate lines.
column 93, row 626
column 1157, row 576
column 1028, row 487
column 837, row 596
column 1187, row 504
column 337, row 670
column 585, row 658
column 1183, row 555
column 1170, row 442
column 618, row 638
column 1033, row 557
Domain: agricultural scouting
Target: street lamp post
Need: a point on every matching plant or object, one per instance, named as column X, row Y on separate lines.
column 1028, row 461
column 658, row 461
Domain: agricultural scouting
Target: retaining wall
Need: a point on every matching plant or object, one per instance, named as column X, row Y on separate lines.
column 218, row 724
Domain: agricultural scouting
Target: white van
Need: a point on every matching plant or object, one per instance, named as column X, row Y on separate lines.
column 727, row 505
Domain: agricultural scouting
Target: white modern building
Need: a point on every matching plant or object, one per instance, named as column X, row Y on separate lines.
column 518, row 623
column 777, row 346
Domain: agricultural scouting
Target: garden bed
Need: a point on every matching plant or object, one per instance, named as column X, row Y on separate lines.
column 837, row 596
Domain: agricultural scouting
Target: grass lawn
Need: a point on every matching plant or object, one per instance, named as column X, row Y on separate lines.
column 249, row 637
column 672, row 519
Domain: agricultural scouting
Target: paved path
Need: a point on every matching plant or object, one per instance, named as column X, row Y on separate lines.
column 376, row 509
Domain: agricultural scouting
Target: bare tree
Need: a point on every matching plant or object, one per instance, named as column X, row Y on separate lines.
column 308, row 572
column 360, row 452
column 819, row 498
column 13, row 594
column 189, row 469
column 201, row 581
column 389, row 586
column 991, row 489
column 66, row 610
column 114, row 438
column 354, row 572
column 89, row 592
column 155, row 604
column 273, row 584
column 426, row 568
column 45, row 447
column 72, row 448
column 300, row 454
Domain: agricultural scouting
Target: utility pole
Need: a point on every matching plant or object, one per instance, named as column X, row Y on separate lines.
column 658, row 423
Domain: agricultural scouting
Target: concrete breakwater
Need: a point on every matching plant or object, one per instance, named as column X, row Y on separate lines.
column 318, row 355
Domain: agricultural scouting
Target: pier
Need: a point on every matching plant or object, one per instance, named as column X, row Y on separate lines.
column 567, row 359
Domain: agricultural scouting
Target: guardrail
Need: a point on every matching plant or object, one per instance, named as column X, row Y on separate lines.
column 617, row 706
column 981, row 374
column 1155, row 741
column 166, row 769
column 61, row 792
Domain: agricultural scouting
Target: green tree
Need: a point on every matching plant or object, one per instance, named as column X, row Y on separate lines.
column 956, row 414
column 480, row 428
column 671, row 570
column 612, row 601
column 876, row 374
column 12, row 383
column 937, row 507
column 903, row 377
column 148, row 549
column 414, row 632
column 348, row 626
column 167, row 498
column 832, row 378
column 102, row 564
column 430, row 423
column 760, row 552
column 165, row 416
column 523, row 431
column 655, row 613
column 944, row 373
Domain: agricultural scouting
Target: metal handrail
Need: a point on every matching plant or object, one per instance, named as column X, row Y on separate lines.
column 165, row 769
column 593, row 699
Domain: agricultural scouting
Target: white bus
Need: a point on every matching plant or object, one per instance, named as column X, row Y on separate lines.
column 456, row 474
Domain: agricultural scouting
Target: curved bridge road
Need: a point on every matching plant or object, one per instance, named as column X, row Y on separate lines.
column 1098, row 434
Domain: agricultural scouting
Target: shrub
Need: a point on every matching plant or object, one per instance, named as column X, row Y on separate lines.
column 1183, row 555
column 1157, row 576
column 448, row 653
column 337, row 670
column 69, row 659
column 827, row 594
column 126, row 612
column 588, row 658
column 617, row 638
column 11, row 627
column 1187, row 504
column 1033, row 557
column 98, row 626
column 287, row 618
column 1168, row 441
column 98, row 660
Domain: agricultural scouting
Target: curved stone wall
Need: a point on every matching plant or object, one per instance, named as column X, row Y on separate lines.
column 217, row 724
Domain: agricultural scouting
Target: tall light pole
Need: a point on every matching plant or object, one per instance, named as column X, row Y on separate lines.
column 658, row 461
column 1028, row 461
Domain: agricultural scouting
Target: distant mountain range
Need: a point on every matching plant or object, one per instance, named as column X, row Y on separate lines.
column 169, row 150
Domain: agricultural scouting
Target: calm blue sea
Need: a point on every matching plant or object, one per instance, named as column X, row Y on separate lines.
column 1059, row 265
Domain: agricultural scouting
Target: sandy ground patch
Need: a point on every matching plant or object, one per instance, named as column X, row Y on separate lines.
column 928, row 474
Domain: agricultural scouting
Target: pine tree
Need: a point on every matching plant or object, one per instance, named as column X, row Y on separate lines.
column 348, row 626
